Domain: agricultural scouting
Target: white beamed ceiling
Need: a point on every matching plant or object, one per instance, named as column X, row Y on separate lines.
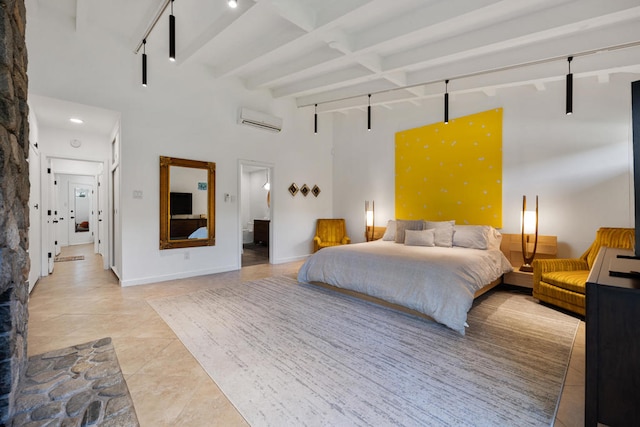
column 335, row 52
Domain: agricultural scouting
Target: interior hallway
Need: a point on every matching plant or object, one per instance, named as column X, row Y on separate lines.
column 81, row 302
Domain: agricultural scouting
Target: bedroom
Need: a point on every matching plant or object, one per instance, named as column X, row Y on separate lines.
column 545, row 152
column 576, row 164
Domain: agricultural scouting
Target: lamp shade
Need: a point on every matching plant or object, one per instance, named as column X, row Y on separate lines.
column 529, row 219
column 369, row 218
column 368, row 210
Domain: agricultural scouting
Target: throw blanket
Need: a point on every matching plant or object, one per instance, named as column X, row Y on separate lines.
column 439, row 282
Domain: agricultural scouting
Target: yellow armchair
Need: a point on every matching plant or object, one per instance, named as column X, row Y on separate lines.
column 562, row 282
column 330, row 232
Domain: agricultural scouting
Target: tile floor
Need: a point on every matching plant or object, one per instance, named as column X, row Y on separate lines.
column 81, row 302
column 255, row 254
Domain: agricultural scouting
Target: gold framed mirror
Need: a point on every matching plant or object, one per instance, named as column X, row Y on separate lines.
column 187, row 203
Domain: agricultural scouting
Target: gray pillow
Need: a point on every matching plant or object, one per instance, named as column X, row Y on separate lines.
column 419, row 237
column 403, row 224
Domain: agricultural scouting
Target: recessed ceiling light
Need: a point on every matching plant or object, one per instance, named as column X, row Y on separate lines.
column 233, row 4
column 76, row 120
column 75, row 143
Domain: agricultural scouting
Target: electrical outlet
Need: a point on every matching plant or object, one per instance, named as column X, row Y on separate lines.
column 137, row 194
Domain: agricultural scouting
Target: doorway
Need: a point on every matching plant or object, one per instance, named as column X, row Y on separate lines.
column 255, row 213
column 73, row 207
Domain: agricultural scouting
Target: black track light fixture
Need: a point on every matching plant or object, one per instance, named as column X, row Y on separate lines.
column 172, row 35
column 369, row 114
column 144, row 63
column 569, row 95
column 315, row 120
column 446, row 102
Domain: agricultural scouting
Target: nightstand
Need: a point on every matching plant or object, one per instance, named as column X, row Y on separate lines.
column 519, row 278
column 511, row 247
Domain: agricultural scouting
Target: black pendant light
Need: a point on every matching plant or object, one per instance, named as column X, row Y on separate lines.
column 446, row 102
column 172, row 35
column 144, row 63
column 369, row 114
column 315, row 120
column 569, row 94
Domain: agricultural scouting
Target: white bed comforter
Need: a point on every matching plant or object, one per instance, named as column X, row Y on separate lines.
column 439, row 282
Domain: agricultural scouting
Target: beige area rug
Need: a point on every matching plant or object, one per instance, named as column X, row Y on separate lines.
column 68, row 258
column 291, row 354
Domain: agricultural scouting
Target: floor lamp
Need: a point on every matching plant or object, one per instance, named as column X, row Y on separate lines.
column 369, row 208
column 529, row 225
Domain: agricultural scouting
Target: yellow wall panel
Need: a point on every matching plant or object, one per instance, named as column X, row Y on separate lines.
column 451, row 171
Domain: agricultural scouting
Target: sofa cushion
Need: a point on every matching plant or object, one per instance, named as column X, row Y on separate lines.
column 575, row 281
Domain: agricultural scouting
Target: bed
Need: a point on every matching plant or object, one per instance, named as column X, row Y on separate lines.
column 439, row 281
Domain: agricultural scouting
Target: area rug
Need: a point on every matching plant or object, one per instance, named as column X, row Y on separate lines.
column 68, row 258
column 291, row 354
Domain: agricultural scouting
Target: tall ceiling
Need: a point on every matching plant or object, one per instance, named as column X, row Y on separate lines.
column 336, row 52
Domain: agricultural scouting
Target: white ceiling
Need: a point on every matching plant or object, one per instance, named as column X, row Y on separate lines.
column 56, row 113
column 335, row 52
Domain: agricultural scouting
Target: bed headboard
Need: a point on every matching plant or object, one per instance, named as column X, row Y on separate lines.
column 451, row 171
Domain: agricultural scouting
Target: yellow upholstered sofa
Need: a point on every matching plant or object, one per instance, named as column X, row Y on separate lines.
column 330, row 232
column 562, row 282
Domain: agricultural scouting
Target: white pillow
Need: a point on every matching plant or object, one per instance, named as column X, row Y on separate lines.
column 390, row 232
column 444, row 231
column 474, row 236
column 419, row 237
column 495, row 239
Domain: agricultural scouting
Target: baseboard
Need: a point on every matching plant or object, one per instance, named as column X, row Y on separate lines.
column 291, row 259
column 176, row 276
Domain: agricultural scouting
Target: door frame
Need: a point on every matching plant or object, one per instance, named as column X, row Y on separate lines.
column 49, row 206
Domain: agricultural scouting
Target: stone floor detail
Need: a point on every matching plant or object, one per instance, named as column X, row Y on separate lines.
column 76, row 386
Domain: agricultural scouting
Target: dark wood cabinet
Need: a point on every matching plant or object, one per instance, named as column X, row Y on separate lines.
column 612, row 386
column 261, row 231
column 182, row 228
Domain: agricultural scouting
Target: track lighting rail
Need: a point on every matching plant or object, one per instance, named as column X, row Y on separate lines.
column 154, row 21
column 484, row 72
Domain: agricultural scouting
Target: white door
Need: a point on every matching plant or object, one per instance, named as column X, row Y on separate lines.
column 116, row 247
column 51, row 220
column 35, row 234
column 101, row 237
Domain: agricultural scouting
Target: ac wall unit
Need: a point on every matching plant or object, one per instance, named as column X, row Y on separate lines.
column 260, row 120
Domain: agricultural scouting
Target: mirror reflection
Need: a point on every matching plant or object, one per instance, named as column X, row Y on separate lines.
column 82, row 209
column 187, row 194
column 187, row 203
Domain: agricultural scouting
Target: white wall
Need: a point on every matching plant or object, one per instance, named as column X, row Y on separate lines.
column 184, row 112
column 578, row 165
column 56, row 143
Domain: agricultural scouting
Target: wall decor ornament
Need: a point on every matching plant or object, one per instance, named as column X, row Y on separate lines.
column 315, row 190
column 305, row 190
column 293, row 189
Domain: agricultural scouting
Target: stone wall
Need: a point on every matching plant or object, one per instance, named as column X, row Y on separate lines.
column 14, row 198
